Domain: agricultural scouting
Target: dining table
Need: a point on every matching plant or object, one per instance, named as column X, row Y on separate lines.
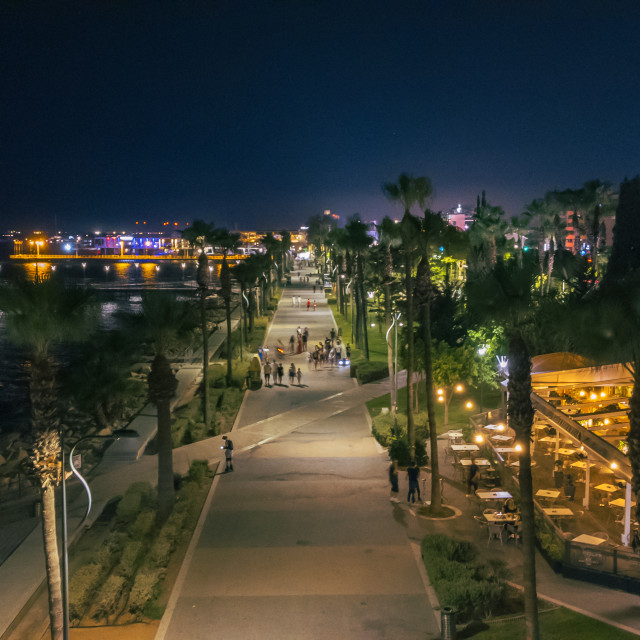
column 493, row 495
column 606, row 488
column 501, row 517
column 558, row 512
column 566, row 452
column 621, row 502
column 548, row 493
column 481, row 462
column 587, row 539
column 502, row 438
column 464, row 447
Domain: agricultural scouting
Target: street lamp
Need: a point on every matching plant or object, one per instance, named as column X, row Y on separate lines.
column 184, row 266
column 106, row 271
column 394, row 325
column 116, row 435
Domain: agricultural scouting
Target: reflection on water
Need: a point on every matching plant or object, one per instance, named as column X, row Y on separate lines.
column 13, row 372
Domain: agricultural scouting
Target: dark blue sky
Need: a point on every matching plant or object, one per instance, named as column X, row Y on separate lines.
column 259, row 113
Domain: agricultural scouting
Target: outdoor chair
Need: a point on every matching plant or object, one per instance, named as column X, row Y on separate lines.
column 489, row 511
column 515, row 531
column 601, row 534
column 495, row 532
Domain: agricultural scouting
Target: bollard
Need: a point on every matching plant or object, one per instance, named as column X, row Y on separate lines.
column 37, row 509
column 448, row 622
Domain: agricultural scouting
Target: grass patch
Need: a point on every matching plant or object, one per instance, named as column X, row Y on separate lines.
column 458, row 413
column 558, row 624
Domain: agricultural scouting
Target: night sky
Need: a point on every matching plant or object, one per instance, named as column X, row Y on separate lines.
column 260, row 113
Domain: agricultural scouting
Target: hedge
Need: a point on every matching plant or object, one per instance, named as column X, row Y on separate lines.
column 369, row 371
column 145, row 587
column 109, row 596
column 82, row 586
column 138, row 496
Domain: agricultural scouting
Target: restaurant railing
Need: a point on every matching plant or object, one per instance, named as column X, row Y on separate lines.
column 607, row 452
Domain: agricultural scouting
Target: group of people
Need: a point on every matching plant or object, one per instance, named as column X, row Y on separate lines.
column 413, row 475
column 277, row 370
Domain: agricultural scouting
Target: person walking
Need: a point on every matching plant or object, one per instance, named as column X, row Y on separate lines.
column 413, row 473
column 393, row 479
column 292, row 374
column 314, row 288
column 314, row 305
column 308, row 304
column 332, row 333
column 472, row 477
column 299, row 300
column 267, row 373
column 280, row 372
column 299, row 376
column 227, row 445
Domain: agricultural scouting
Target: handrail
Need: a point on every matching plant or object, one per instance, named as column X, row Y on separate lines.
column 601, row 448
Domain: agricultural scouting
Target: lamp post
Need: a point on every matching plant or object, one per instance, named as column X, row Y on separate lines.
column 116, row 435
column 394, row 388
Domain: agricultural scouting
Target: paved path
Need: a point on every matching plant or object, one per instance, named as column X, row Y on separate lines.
column 300, row 541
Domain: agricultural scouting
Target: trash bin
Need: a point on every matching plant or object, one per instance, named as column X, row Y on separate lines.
column 448, row 623
column 37, row 509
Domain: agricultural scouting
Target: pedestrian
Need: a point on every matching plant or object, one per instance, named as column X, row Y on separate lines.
column 472, row 477
column 227, row 445
column 299, row 300
column 292, row 344
column 315, row 359
column 304, row 341
column 308, row 304
column 299, row 330
column 292, row 374
column 558, row 475
column 299, row 376
column 413, row 473
column 332, row 333
column 280, row 372
column 314, row 305
column 314, row 288
column 267, row 373
column 293, row 301
column 570, row 488
column 348, row 351
column 393, row 479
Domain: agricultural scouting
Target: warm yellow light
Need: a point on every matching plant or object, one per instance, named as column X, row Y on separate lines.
column 518, row 447
column 582, row 394
column 607, row 421
column 614, row 465
column 469, row 404
column 459, row 388
column 440, row 399
column 500, row 427
column 603, row 394
column 593, row 396
column 479, row 439
column 440, row 392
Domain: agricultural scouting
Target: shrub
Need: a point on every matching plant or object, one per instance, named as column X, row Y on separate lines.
column 472, row 598
column 109, row 552
column 145, row 587
column 138, row 496
column 198, row 471
column 368, row 371
column 82, row 586
column 143, row 525
column 160, row 553
column 441, row 546
column 129, row 559
column 109, row 596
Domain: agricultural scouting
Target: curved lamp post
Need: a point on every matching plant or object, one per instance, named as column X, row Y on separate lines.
column 116, row 435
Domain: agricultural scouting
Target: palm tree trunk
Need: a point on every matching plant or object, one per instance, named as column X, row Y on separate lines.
column 205, row 358
column 436, row 499
column 227, row 308
column 520, row 412
column 165, row 461
column 411, row 434
column 52, row 556
column 387, row 318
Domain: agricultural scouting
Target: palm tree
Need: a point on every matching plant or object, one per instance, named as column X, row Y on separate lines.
column 432, row 228
column 486, row 232
column 319, row 228
column 164, row 322
column 38, row 317
column 228, row 242
column 388, row 233
column 358, row 240
column 409, row 191
column 504, row 295
column 272, row 246
column 201, row 234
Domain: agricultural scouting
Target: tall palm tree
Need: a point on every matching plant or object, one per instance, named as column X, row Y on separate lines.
column 432, row 228
column 319, row 228
column 358, row 240
column 388, row 233
column 200, row 234
column 486, row 232
column 409, row 191
column 272, row 246
column 229, row 243
column 165, row 323
column 38, row 317
column 504, row 296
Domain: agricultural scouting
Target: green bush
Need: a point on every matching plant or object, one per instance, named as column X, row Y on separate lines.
column 143, row 524
column 160, row 552
column 198, row 471
column 138, row 496
column 472, row 598
column 441, row 546
column 145, row 587
column 109, row 552
column 129, row 560
column 369, row 371
column 82, row 586
column 109, row 596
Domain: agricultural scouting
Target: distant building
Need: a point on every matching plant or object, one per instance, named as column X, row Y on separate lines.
column 460, row 217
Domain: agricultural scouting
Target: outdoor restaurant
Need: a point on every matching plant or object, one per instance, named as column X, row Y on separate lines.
column 585, row 513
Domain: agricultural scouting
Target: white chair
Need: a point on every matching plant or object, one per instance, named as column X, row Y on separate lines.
column 495, row 532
